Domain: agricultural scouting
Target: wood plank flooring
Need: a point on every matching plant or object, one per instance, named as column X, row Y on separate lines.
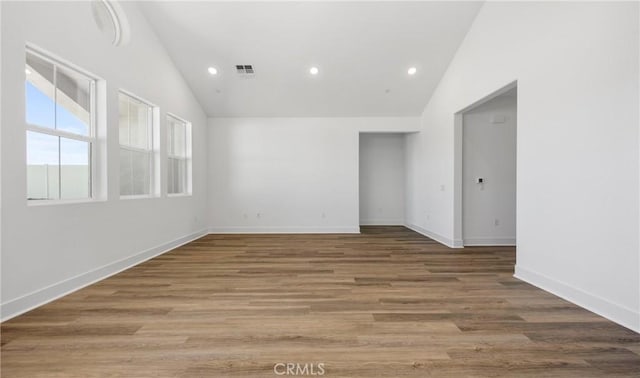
column 386, row 303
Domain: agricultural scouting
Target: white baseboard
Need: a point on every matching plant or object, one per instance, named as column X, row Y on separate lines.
column 619, row 314
column 451, row 243
column 284, row 230
column 382, row 222
column 477, row 242
column 50, row 293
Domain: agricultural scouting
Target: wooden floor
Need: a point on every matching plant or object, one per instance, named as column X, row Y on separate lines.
column 386, row 303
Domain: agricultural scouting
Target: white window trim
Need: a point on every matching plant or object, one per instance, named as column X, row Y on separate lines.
column 153, row 150
column 54, row 202
column 188, row 162
column 94, row 196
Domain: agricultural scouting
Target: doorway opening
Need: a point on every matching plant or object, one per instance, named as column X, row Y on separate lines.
column 485, row 170
column 382, row 179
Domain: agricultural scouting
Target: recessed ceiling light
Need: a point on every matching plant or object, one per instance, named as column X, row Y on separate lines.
column 27, row 71
column 212, row 70
column 314, row 70
column 412, row 71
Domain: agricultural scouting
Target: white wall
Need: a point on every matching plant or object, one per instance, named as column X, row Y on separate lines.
column 50, row 250
column 1, row 180
column 288, row 174
column 382, row 179
column 577, row 70
column 489, row 152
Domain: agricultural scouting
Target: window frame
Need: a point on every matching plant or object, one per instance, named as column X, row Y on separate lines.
column 153, row 150
column 91, row 138
column 187, row 159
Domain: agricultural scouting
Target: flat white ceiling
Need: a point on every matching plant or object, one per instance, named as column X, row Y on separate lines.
column 363, row 51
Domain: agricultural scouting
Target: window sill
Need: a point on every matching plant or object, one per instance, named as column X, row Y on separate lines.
column 178, row 195
column 38, row 203
column 135, row 197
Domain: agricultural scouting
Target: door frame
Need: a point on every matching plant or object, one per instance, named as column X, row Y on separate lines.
column 457, row 159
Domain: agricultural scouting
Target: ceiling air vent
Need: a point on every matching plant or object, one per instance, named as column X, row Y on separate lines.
column 245, row 70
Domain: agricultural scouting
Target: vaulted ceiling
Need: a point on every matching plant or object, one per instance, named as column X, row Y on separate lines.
column 362, row 50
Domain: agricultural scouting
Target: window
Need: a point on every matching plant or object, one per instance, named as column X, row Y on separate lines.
column 111, row 21
column 179, row 154
column 137, row 150
column 60, row 118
